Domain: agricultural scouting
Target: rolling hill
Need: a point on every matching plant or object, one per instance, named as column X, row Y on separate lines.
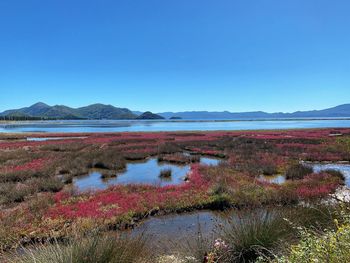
column 95, row 111
column 149, row 116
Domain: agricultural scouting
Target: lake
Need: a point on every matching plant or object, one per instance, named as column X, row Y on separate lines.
column 82, row 126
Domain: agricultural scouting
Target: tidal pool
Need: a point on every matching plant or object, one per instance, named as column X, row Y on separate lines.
column 317, row 167
column 343, row 168
column 180, row 230
column 146, row 172
column 43, row 139
column 273, row 179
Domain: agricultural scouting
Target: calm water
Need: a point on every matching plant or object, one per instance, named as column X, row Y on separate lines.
column 274, row 179
column 343, row 168
column 317, row 167
column 42, row 139
column 149, row 126
column 182, row 227
column 140, row 173
column 185, row 228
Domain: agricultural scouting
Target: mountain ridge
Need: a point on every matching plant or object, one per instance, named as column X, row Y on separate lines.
column 107, row 111
column 342, row 110
column 93, row 111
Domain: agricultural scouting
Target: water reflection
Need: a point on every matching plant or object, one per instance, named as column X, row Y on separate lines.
column 343, row 168
column 167, row 125
column 273, row 179
column 146, row 172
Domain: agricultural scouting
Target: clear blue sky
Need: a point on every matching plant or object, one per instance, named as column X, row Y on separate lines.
column 159, row 55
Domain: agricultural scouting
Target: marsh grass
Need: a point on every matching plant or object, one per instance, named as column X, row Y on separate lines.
column 95, row 249
column 297, row 172
column 269, row 169
column 13, row 193
column 253, row 234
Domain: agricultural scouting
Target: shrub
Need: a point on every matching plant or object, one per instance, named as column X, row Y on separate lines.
column 168, row 148
column 108, row 159
column 333, row 246
column 18, row 176
column 166, row 173
column 108, row 174
column 335, row 173
column 195, row 158
column 298, row 171
column 269, row 169
column 67, row 178
column 135, row 156
column 220, row 188
column 177, row 158
column 13, row 193
column 49, row 184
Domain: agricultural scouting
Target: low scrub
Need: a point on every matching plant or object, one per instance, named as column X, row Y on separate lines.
column 13, row 193
column 298, row 171
column 335, row 173
column 333, row 246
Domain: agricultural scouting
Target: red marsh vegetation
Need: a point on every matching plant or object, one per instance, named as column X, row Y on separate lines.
column 38, row 199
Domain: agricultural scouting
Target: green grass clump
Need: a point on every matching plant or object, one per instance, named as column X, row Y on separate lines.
column 256, row 234
column 97, row 249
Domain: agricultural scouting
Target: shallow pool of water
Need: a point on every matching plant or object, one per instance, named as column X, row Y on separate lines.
column 273, row 179
column 146, row 172
column 343, row 168
column 181, row 228
column 184, row 229
column 43, row 139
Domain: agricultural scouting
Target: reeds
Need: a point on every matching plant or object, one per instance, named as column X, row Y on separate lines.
column 96, row 249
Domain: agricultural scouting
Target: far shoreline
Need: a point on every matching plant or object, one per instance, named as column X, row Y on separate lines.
column 149, row 126
column 68, row 135
column 173, row 120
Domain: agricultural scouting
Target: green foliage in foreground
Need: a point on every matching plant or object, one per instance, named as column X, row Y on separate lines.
column 98, row 249
column 331, row 247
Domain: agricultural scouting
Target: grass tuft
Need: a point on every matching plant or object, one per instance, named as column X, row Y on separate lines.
column 96, row 249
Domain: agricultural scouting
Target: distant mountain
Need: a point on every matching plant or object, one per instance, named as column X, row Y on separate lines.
column 136, row 112
column 149, row 116
column 213, row 115
column 101, row 111
column 95, row 111
column 338, row 111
